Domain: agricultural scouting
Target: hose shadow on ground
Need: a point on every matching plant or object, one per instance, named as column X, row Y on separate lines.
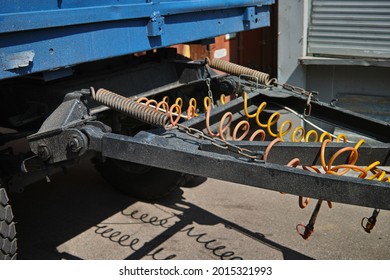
column 193, row 214
column 49, row 215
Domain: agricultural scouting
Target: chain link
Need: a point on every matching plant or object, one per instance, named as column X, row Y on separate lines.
column 209, row 92
column 302, row 91
column 222, row 144
column 296, row 89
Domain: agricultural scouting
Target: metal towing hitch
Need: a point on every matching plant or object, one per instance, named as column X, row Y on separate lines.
column 214, row 141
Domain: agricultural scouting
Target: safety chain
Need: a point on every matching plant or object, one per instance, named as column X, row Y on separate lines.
column 223, row 144
column 209, row 92
column 301, row 91
column 296, row 89
column 166, row 120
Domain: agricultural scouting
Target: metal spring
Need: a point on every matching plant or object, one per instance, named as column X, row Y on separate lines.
column 326, row 137
column 298, row 134
column 133, row 109
column 243, row 125
column 174, row 113
column 328, row 168
column 238, row 70
column 224, row 126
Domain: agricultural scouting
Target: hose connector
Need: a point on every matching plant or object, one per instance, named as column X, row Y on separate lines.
column 370, row 222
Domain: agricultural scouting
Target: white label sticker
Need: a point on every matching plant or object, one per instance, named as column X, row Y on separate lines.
column 220, row 53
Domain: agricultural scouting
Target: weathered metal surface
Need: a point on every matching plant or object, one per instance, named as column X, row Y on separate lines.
column 370, row 105
column 180, row 153
column 16, row 60
column 177, row 151
column 70, row 132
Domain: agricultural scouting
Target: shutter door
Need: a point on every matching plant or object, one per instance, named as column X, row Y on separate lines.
column 350, row 28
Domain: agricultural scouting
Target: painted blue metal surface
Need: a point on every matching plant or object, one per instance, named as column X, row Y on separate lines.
column 67, row 32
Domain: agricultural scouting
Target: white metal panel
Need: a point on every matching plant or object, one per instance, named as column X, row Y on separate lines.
column 350, row 28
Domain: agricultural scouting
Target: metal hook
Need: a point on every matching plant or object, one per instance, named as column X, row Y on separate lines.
column 307, row 111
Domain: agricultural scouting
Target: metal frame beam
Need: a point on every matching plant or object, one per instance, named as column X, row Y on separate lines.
column 176, row 151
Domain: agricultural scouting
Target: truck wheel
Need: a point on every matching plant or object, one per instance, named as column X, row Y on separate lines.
column 141, row 181
column 8, row 244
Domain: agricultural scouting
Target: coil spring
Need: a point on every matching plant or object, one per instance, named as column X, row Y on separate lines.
column 378, row 174
column 325, row 138
column 238, row 70
column 133, row 109
column 328, row 168
column 298, row 134
column 175, row 113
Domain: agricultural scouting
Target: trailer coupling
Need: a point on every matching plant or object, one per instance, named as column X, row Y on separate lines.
column 216, row 142
column 71, row 132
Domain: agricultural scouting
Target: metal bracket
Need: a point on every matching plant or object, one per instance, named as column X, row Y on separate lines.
column 68, row 144
column 59, row 139
column 156, row 25
column 250, row 17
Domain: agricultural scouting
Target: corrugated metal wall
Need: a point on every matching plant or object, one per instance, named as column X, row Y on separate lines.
column 350, row 28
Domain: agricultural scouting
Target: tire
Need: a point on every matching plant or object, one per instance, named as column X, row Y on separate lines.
column 8, row 241
column 141, row 181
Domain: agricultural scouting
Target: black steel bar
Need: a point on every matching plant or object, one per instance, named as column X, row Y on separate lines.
column 171, row 152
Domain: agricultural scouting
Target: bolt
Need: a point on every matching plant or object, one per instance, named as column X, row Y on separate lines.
column 74, row 144
column 43, row 152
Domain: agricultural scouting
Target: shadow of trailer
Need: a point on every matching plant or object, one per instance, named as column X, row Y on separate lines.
column 74, row 87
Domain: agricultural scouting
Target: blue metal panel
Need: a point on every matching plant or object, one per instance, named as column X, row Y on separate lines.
column 63, row 33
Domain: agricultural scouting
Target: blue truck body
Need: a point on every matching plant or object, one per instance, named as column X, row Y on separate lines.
column 38, row 36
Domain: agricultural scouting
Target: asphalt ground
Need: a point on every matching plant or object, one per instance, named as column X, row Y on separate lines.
column 80, row 216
